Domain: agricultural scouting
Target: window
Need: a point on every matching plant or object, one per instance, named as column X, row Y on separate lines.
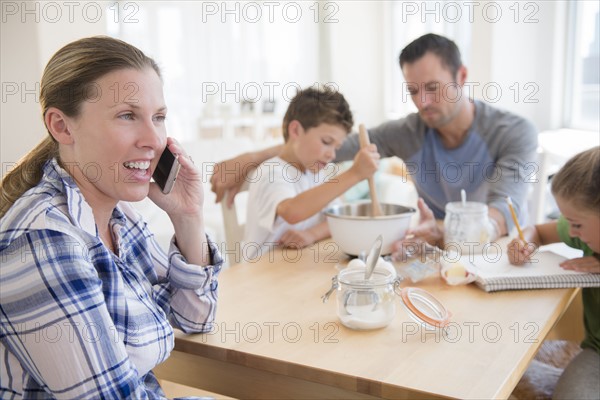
column 583, row 66
column 223, row 62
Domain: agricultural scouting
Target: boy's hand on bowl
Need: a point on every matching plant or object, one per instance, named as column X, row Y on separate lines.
column 297, row 239
column 366, row 161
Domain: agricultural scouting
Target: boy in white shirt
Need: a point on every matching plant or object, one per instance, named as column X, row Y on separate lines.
column 288, row 193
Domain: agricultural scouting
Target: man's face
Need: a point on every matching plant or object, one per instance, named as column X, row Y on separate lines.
column 436, row 93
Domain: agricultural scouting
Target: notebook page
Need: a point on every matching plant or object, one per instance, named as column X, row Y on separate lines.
column 545, row 262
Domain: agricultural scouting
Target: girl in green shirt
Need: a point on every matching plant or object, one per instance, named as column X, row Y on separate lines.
column 576, row 188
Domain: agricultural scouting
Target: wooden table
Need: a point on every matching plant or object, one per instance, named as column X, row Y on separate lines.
column 275, row 338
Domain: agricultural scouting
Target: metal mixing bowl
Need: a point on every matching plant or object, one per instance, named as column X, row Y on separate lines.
column 354, row 229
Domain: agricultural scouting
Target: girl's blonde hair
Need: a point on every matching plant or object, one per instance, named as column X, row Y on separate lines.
column 69, row 79
column 578, row 180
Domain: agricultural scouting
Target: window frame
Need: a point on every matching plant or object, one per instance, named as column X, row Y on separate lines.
column 573, row 118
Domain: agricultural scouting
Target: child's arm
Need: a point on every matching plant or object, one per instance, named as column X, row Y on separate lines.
column 519, row 252
column 307, row 204
column 582, row 264
column 300, row 239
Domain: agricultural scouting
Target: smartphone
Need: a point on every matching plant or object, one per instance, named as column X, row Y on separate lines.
column 166, row 171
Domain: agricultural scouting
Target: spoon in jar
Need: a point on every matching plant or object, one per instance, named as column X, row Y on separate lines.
column 373, row 257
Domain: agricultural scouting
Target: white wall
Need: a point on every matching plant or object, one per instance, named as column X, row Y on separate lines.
column 20, row 121
column 30, row 34
column 357, row 57
column 523, row 55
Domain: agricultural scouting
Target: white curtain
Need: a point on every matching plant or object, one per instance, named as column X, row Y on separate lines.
column 215, row 55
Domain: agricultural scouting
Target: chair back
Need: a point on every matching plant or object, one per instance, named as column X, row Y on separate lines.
column 234, row 230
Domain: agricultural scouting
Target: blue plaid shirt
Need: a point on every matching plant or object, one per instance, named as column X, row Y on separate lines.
column 78, row 321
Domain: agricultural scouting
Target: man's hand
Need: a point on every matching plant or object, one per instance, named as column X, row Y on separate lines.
column 229, row 176
column 426, row 230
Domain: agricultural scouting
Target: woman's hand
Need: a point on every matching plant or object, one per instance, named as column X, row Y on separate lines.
column 187, row 196
column 582, row 264
column 184, row 207
column 519, row 251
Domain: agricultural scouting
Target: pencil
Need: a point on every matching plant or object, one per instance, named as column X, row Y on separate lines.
column 514, row 217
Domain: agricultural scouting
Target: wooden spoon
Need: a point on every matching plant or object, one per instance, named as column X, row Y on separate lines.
column 363, row 137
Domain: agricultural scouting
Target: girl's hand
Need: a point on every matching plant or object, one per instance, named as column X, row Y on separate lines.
column 520, row 251
column 187, row 196
column 297, row 239
column 582, row 264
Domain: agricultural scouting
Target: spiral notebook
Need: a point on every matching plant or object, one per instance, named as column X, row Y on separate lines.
column 494, row 272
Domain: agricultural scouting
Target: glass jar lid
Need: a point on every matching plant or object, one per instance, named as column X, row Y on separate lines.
column 425, row 308
column 356, row 277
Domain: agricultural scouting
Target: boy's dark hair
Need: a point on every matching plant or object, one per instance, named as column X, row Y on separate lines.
column 313, row 107
column 441, row 46
column 578, row 181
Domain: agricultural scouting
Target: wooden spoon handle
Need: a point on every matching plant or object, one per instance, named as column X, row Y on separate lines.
column 363, row 137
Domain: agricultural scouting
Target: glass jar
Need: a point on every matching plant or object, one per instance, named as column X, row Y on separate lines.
column 371, row 304
column 466, row 227
column 366, row 304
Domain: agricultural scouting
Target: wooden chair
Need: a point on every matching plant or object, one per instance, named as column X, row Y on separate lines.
column 234, row 230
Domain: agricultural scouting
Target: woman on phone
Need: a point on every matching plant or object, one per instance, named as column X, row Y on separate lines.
column 88, row 297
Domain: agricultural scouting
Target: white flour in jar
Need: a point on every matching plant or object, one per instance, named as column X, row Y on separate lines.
column 364, row 317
